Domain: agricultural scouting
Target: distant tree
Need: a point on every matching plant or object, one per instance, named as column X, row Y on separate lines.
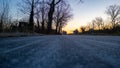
column 93, row 25
column 64, row 33
column 99, row 22
column 114, row 12
column 75, row 32
column 4, row 12
column 83, row 29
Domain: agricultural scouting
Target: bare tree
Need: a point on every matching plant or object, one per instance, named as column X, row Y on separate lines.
column 62, row 16
column 114, row 12
column 4, row 12
column 57, row 17
column 93, row 25
column 38, row 9
column 41, row 15
column 43, row 11
column 76, row 32
column 83, row 29
column 37, row 16
column 31, row 19
column 28, row 7
column 52, row 4
column 99, row 22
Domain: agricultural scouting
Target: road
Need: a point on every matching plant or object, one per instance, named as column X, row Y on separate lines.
column 60, row 52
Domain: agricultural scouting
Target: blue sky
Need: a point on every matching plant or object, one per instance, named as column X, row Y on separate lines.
column 14, row 8
column 83, row 12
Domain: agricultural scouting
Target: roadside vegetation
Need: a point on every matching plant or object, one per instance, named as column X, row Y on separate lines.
column 99, row 26
column 50, row 16
column 38, row 16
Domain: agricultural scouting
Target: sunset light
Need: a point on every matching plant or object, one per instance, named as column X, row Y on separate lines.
column 87, row 11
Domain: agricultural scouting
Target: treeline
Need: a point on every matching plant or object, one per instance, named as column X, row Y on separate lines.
column 42, row 16
column 110, row 26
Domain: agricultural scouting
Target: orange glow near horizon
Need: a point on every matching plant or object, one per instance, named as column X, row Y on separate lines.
column 77, row 22
column 71, row 27
column 87, row 11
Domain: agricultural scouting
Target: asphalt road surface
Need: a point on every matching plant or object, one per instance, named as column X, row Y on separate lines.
column 60, row 52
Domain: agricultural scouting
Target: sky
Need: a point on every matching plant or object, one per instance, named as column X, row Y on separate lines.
column 83, row 13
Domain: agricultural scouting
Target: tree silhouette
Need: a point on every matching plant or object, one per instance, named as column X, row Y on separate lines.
column 114, row 12
column 39, row 9
column 62, row 16
column 28, row 7
column 4, row 13
column 83, row 29
column 52, row 4
column 99, row 22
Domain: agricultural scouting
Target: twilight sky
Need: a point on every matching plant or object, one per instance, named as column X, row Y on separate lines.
column 87, row 11
column 83, row 12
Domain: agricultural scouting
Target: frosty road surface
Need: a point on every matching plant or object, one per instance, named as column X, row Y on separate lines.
column 60, row 52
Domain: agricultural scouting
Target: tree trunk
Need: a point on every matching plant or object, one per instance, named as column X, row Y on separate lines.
column 38, row 23
column 60, row 28
column 56, row 31
column 31, row 19
column 50, row 16
column 1, row 26
column 43, row 21
column 43, row 26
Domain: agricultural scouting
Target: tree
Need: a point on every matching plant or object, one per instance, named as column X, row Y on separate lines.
column 43, row 10
column 93, row 25
column 99, row 22
column 62, row 16
column 43, row 13
column 76, row 32
column 4, row 12
column 28, row 7
column 114, row 12
column 37, row 16
column 31, row 19
column 52, row 4
column 83, row 29
column 61, row 12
